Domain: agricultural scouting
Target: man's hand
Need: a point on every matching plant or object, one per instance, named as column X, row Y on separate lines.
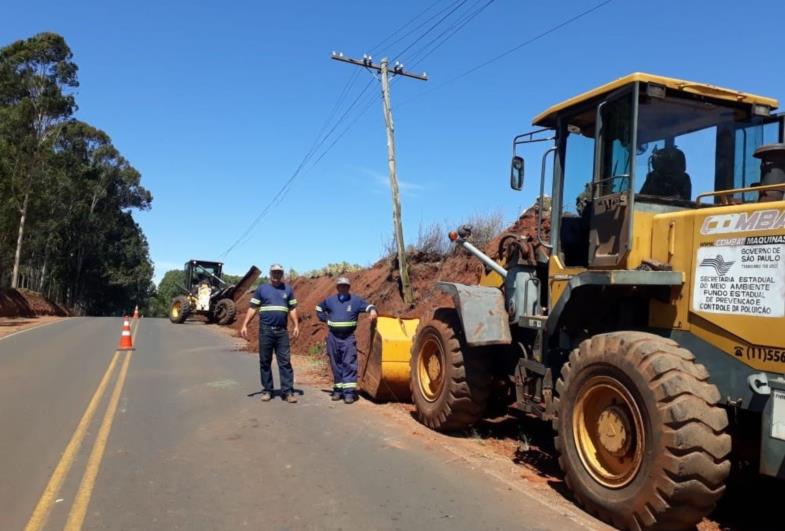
column 248, row 316
column 373, row 315
column 295, row 322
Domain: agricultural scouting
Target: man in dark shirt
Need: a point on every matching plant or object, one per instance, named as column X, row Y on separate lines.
column 276, row 304
column 340, row 312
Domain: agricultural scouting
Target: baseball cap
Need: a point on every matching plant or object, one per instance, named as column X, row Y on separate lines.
column 343, row 280
column 276, row 267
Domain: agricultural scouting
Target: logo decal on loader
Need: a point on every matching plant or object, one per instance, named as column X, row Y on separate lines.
column 719, row 264
column 744, row 222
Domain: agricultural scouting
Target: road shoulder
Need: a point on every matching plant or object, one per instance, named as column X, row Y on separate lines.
column 14, row 325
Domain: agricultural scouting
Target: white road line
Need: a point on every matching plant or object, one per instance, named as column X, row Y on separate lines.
column 34, row 327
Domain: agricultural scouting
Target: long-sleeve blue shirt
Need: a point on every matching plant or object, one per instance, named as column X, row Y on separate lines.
column 340, row 312
column 273, row 303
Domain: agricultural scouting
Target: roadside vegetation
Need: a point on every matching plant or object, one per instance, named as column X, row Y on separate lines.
column 433, row 243
column 66, row 224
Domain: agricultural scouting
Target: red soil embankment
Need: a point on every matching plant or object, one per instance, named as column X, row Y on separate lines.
column 380, row 285
column 26, row 303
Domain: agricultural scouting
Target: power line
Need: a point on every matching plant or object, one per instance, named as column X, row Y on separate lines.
column 513, row 49
column 450, row 9
column 415, row 17
column 423, row 23
column 279, row 195
column 430, row 29
column 320, row 138
column 530, row 41
column 423, row 53
column 344, row 92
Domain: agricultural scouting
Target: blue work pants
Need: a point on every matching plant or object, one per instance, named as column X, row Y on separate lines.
column 342, row 349
column 275, row 339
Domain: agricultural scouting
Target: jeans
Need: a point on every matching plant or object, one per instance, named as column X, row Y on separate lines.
column 275, row 339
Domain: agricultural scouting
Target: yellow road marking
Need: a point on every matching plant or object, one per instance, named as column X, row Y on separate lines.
column 44, row 505
column 79, row 508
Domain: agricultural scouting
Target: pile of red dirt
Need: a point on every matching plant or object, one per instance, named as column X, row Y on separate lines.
column 380, row 285
column 26, row 303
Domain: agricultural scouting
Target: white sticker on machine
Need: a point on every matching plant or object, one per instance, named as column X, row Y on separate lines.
column 743, row 276
column 778, row 415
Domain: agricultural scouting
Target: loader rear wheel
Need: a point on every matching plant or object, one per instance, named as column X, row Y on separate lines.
column 224, row 312
column 179, row 310
column 641, row 437
column 450, row 382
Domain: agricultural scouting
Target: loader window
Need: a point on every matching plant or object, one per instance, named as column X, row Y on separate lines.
column 746, row 168
column 615, row 156
column 578, row 169
column 576, row 198
column 687, row 146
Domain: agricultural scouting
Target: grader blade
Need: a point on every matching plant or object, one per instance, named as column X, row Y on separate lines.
column 241, row 287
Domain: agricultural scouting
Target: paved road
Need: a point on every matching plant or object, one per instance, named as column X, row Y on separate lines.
column 172, row 441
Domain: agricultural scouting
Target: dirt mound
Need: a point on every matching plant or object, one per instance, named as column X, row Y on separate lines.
column 380, row 284
column 26, row 303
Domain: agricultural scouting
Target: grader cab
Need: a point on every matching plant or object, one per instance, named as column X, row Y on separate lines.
column 649, row 327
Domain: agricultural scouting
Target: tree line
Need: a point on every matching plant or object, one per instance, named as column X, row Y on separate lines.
column 66, row 193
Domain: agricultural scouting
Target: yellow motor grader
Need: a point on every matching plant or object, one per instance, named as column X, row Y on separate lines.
column 206, row 293
column 649, row 326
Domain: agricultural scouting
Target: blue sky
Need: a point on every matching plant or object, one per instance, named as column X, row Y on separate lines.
column 216, row 103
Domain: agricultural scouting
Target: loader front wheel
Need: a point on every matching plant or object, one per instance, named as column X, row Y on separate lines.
column 450, row 382
column 179, row 310
column 641, row 437
column 224, row 312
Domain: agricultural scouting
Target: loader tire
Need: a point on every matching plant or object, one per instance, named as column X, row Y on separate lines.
column 224, row 312
column 641, row 437
column 179, row 310
column 450, row 382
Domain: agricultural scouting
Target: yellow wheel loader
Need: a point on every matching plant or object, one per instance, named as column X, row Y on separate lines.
column 649, row 324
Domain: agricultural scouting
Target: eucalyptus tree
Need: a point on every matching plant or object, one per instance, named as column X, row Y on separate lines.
column 36, row 77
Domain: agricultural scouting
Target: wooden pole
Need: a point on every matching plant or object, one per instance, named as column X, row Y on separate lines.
column 383, row 69
column 406, row 287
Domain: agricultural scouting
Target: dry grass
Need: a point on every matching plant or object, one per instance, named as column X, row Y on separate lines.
column 433, row 243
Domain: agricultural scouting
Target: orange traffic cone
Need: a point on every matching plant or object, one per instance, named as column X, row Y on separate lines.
column 126, row 343
column 136, row 312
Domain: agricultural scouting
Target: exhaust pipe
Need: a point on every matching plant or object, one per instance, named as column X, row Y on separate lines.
column 460, row 237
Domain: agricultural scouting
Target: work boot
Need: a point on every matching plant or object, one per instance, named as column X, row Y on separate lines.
column 336, row 394
column 291, row 398
column 265, row 396
column 350, row 399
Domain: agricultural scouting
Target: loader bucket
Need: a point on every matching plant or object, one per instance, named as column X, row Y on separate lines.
column 384, row 372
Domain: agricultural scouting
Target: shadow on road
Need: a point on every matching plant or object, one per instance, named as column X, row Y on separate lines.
column 276, row 393
column 750, row 502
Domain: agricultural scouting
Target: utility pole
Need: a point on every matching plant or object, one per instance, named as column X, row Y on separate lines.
column 384, row 70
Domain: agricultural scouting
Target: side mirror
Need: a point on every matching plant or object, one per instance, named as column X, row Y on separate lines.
column 516, row 173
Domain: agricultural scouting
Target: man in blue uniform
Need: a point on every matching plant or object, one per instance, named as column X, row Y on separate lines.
column 340, row 312
column 276, row 304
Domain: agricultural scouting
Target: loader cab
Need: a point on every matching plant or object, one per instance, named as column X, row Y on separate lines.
column 199, row 271
column 644, row 144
